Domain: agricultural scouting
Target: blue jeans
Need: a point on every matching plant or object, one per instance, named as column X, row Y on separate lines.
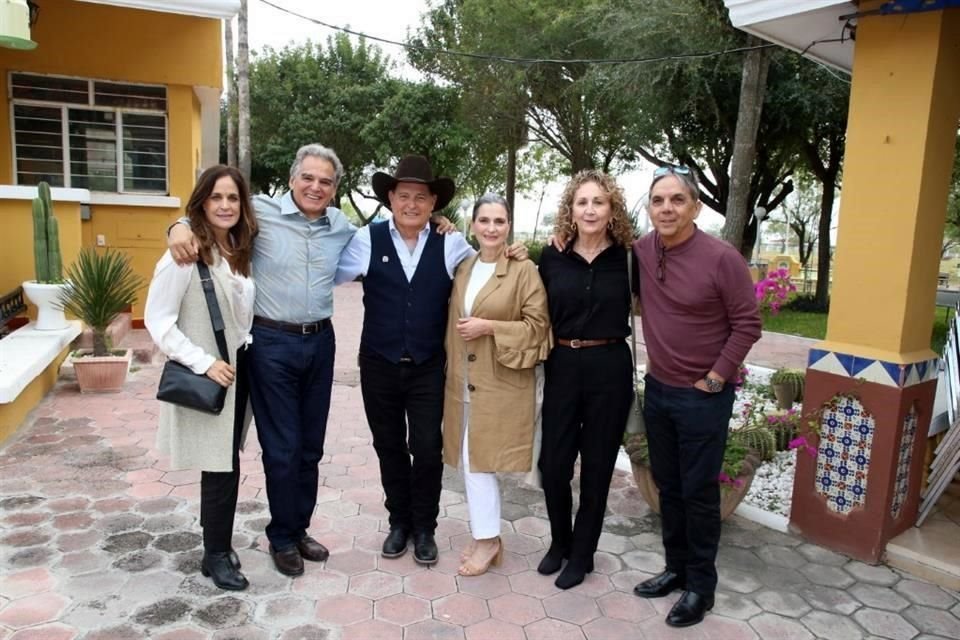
column 291, row 376
column 687, row 432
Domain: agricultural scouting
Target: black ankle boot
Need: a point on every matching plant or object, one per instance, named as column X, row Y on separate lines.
column 552, row 560
column 574, row 573
column 217, row 566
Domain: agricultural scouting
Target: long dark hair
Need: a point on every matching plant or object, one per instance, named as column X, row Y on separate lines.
column 242, row 233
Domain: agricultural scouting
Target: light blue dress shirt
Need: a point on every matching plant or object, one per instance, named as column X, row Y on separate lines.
column 355, row 259
column 295, row 259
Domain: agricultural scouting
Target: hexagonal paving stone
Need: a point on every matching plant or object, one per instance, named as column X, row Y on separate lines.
column 352, row 562
column 717, row 627
column 734, row 605
column 373, row 630
column 827, row 576
column 516, row 609
column 781, row 556
column 626, row 607
column 486, row 586
column 608, row 629
column 25, row 583
column 548, row 629
column 34, row 609
column 531, row 526
column 935, row 621
column 430, row 585
column 831, row 626
column 878, row 597
column 402, row 609
column 784, row 603
column 820, row 555
column 647, row 561
column 829, row 599
column 376, row 585
column 460, row 609
column 343, row 609
column 878, row 575
column 492, row 628
column 771, row 625
column 924, row 593
column 885, row 624
column 285, row 611
column 738, row 581
column 571, row 607
column 533, row 584
column 433, row 630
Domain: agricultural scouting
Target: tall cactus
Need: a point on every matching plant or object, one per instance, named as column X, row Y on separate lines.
column 47, row 258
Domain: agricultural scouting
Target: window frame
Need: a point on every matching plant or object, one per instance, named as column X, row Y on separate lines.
column 89, row 105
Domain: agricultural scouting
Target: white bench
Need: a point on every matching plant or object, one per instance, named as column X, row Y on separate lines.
column 26, row 352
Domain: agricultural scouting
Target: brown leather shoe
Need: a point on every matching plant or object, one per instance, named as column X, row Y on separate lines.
column 288, row 562
column 312, row 550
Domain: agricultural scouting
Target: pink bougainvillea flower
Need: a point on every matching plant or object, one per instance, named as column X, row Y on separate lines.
column 798, row 442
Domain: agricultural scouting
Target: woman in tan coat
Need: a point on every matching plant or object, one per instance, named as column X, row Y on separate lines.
column 497, row 331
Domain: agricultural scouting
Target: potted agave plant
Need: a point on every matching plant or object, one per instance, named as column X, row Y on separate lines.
column 45, row 291
column 101, row 286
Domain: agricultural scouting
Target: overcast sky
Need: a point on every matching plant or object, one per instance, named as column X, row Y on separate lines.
column 391, row 19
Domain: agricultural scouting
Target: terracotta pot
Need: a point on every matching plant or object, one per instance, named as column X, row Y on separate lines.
column 730, row 495
column 100, row 374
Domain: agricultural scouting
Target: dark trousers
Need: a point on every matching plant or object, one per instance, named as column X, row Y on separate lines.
column 404, row 406
column 219, row 489
column 291, row 376
column 587, row 394
column 687, row 432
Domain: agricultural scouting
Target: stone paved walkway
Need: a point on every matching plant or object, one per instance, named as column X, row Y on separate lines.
column 99, row 539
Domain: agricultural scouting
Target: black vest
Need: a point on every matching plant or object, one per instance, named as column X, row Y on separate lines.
column 404, row 318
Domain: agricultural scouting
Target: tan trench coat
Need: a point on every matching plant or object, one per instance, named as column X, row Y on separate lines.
column 499, row 367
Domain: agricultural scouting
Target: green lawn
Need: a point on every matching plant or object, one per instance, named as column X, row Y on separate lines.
column 814, row 325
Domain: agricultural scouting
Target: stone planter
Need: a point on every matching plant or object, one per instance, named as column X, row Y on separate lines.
column 785, row 392
column 730, row 495
column 46, row 297
column 100, row 374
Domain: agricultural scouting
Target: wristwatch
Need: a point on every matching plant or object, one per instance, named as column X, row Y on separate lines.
column 713, row 385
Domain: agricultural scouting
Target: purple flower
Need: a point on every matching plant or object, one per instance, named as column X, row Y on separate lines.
column 798, row 442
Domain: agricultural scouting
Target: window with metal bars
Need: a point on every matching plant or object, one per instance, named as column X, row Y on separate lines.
column 89, row 134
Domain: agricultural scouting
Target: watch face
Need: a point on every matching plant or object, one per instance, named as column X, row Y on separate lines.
column 714, row 385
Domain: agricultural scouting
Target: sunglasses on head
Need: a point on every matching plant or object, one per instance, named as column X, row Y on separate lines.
column 662, row 171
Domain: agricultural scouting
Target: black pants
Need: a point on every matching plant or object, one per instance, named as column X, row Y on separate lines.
column 404, row 406
column 587, row 394
column 291, row 378
column 219, row 489
column 687, row 432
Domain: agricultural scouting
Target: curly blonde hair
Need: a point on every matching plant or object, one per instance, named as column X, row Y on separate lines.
column 620, row 230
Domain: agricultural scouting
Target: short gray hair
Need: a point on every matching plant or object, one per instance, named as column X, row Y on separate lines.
column 317, row 151
column 688, row 179
column 491, row 198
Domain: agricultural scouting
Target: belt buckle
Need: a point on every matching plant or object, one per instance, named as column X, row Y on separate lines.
column 575, row 343
column 308, row 328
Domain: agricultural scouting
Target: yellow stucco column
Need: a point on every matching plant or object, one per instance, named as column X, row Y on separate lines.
column 870, row 384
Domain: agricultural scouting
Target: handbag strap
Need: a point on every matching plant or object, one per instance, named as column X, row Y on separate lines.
column 633, row 325
column 210, row 293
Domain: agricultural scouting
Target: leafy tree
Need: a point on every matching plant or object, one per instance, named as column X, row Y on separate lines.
column 800, row 215
column 951, row 234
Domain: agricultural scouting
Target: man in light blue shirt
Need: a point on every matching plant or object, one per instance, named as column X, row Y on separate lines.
column 291, row 358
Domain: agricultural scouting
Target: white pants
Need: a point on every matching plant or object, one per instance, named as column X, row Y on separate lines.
column 483, row 492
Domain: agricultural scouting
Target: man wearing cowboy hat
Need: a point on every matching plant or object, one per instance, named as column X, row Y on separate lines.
column 408, row 273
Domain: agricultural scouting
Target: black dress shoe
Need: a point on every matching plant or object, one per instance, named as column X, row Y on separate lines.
column 396, row 543
column 288, row 561
column 574, row 573
column 689, row 609
column 660, row 585
column 424, row 548
column 234, row 559
column 217, row 566
column 312, row 550
column 552, row 560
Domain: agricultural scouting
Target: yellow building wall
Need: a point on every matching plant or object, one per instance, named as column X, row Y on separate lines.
column 895, row 184
column 111, row 43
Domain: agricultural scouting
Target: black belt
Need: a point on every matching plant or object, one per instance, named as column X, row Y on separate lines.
column 303, row 329
column 577, row 343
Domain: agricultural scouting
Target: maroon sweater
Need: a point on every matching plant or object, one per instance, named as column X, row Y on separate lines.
column 702, row 316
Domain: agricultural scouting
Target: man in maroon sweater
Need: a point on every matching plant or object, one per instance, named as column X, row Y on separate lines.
column 699, row 321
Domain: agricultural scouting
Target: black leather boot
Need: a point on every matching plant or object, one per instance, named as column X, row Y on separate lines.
column 218, row 566
column 552, row 560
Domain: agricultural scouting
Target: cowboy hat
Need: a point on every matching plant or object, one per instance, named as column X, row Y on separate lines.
column 414, row 169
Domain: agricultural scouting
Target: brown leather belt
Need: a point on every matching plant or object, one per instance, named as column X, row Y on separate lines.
column 304, row 329
column 576, row 343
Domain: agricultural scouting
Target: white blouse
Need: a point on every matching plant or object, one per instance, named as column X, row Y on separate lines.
column 169, row 285
column 479, row 275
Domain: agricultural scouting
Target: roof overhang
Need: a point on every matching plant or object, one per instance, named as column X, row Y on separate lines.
column 800, row 25
column 201, row 8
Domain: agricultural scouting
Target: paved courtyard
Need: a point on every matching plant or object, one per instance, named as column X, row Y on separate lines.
column 99, row 539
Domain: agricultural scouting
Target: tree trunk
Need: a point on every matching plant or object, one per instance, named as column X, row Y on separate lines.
column 511, row 186
column 243, row 91
column 231, row 90
column 823, row 244
column 753, row 87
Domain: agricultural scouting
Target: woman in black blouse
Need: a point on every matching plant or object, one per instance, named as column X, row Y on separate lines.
column 588, row 390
